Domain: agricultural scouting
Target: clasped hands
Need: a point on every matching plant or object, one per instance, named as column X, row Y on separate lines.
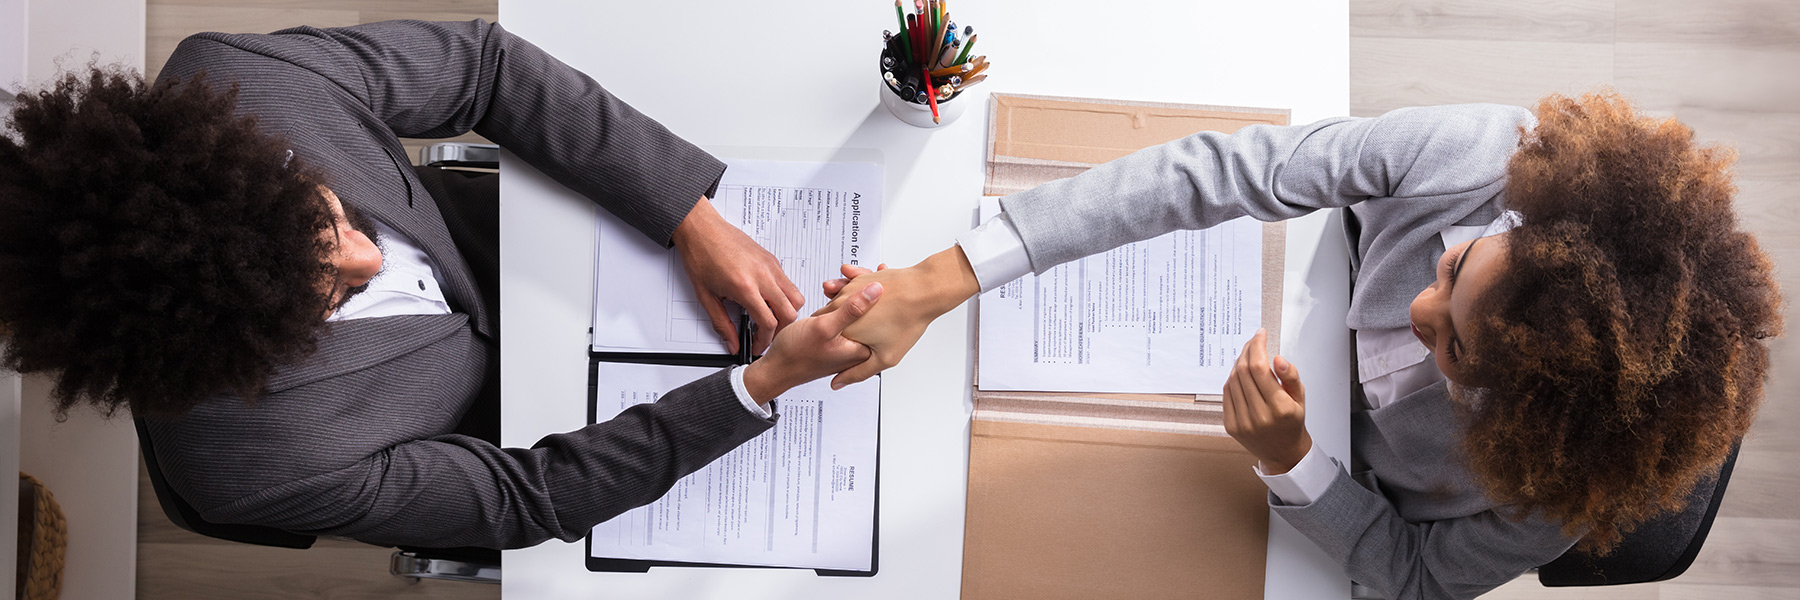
column 725, row 264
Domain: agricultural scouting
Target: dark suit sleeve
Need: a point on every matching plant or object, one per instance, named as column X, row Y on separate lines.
column 435, row 80
column 321, row 470
column 568, row 483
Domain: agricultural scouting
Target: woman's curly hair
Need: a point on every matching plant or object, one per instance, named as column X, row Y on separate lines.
column 155, row 248
column 1622, row 351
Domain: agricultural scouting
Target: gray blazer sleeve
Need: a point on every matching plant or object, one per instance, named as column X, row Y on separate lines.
column 432, row 80
column 322, row 470
column 456, row 490
column 1265, row 172
column 1455, row 558
column 565, row 484
column 356, row 446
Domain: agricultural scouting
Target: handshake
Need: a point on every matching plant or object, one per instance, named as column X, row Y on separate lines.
column 873, row 319
column 874, row 316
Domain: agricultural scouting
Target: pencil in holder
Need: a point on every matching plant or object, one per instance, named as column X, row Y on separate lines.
column 927, row 65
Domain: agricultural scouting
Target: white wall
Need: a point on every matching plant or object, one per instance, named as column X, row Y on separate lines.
column 89, row 463
column 75, row 31
column 12, row 47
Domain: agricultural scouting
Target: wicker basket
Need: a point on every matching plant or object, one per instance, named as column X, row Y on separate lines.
column 43, row 535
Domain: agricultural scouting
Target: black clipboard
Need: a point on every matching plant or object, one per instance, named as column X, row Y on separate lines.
column 743, row 357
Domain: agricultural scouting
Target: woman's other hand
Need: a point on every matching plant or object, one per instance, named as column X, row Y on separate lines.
column 1265, row 407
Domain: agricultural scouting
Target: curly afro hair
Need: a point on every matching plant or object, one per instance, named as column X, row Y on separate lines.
column 156, row 248
column 1622, row 352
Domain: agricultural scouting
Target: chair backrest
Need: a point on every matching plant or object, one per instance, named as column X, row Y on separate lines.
column 460, row 154
column 1658, row 550
column 186, row 517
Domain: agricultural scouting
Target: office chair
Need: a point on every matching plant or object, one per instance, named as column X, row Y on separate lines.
column 1658, row 550
column 480, row 565
column 452, row 564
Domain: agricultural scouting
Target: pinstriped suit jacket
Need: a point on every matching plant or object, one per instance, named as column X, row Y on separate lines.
column 356, row 440
column 1423, row 528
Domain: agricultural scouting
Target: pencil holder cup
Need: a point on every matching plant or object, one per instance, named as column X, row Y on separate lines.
column 919, row 115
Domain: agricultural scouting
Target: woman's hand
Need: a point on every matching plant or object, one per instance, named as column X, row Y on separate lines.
column 811, row 348
column 916, row 296
column 1265, row 410
column 725, row 264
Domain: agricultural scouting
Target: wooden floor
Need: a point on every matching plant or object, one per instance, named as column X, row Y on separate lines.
column 1726, row 67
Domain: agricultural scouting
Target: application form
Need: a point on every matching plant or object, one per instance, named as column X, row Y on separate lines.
column 813, row 216
column 800, row 495
column 1164, row 315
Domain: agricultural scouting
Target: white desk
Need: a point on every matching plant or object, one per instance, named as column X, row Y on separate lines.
column 801, row 76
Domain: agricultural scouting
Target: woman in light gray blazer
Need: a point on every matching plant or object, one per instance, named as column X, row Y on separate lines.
column 1560, row 324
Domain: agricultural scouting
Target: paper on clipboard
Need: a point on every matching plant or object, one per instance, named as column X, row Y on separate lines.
column 799, row 495
column 813, row 216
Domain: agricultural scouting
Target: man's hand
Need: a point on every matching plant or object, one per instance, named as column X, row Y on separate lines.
column 1265, row 410
column 724, row 264
column 811, row 348
column 917, row 295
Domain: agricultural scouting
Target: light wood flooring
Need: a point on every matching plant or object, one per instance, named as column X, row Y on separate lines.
column 1726, row 67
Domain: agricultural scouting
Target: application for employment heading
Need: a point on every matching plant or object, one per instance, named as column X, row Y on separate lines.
column 1164, row 315
column 802, row 494
column 813, row 216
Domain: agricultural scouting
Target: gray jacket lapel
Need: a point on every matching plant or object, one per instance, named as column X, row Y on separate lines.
column 1421, row 427
column 1414, row 444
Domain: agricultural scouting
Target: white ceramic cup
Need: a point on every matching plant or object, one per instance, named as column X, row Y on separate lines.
column 918, row 115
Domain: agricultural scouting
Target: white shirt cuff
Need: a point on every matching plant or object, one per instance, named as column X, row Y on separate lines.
column 743, row 394
column 996, row 252
column 1305, row 482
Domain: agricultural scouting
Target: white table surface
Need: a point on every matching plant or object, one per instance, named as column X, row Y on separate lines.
column 797, row 80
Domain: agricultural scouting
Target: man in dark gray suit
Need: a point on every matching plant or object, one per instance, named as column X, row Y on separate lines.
column 193, row 250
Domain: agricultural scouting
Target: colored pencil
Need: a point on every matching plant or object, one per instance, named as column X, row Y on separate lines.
column 931, row 94
column 943, row 14
column 952, row 70
column 936, row 48
column 966, row 48
column 900, row 13
column 932, row 15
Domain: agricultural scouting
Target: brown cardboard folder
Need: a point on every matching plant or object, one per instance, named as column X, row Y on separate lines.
column 1110, row 495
